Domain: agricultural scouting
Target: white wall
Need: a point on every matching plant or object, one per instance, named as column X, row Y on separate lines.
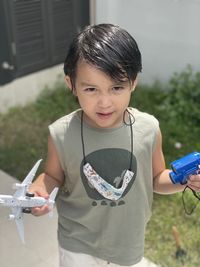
column 26, row 89
column 167, row 32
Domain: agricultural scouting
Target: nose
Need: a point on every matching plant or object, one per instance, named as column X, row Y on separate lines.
column 104, row 101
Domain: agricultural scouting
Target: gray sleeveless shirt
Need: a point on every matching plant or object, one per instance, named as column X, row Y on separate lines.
column 88, row 222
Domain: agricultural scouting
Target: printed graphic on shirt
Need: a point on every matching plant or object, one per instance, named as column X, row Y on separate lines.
column 107, row 177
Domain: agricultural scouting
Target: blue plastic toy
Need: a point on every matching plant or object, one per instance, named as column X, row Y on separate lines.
column 184, row 167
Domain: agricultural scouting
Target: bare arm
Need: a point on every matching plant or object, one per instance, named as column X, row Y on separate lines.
column 162, row 183
column 52, row 177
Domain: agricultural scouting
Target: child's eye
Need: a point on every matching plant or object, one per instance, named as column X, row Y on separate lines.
column 90, row 89
column 118, row 88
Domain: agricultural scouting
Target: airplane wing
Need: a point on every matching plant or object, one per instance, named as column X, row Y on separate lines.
column 17, row 212
column 23, row 188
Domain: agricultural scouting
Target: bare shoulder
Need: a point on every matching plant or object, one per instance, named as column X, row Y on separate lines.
column 53, row 167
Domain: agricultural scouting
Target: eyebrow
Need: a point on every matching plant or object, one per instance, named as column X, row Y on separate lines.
column 88, row 84
column 94, row 85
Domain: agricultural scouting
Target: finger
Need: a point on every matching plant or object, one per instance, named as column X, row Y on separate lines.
column 194, row 182
column 38, row 211
column 195, row 188
column 194, row 178
column 40, row 193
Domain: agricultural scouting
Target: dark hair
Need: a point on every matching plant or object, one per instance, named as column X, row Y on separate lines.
column 107, row 47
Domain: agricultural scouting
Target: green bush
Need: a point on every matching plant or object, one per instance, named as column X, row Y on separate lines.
column 177, row 107
column 182, row 103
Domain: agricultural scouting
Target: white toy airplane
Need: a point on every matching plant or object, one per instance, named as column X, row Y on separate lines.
column 22, row 201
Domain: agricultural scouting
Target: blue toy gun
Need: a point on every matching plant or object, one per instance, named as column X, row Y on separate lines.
column 184, row 167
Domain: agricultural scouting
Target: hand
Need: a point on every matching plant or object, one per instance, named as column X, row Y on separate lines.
column 40, row 192
column 194, row 182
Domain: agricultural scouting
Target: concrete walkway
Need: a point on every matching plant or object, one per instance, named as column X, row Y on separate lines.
column 41, row 248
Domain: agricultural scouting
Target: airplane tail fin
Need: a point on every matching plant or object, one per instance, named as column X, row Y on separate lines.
column 52, row 200
column 28, row 179
column 53, row 194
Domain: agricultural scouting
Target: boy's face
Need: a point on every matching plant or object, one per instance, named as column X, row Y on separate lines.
column 102, row 99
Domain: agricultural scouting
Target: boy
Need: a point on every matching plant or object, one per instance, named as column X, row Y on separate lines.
column 106, row 157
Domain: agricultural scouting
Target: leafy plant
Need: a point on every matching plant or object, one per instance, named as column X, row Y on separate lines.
column 182, row 103
column 177, row 108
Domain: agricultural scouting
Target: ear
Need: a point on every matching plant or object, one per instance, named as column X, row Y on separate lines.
column 69, row 84
column 134, row 84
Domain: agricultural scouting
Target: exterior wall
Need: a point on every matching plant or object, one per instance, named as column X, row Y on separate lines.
column 26, row 89
column 167, row 32
column 35, row 36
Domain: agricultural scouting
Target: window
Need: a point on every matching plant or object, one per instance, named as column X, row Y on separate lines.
column 35, row 34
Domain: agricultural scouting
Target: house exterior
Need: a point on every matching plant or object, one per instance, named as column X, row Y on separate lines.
column 34, row 36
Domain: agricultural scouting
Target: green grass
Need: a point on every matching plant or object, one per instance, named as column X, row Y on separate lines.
column 23, row 140
column 24, row 131
column 160, row 244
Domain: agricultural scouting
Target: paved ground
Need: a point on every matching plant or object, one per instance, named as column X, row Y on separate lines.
column 40, row 249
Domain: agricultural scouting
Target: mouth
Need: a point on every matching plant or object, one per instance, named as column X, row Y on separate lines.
column 103, row 115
